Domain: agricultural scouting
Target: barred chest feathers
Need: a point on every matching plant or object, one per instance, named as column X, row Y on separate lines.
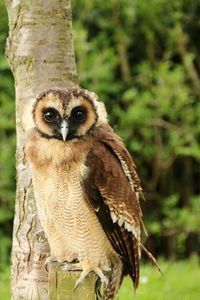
column 68, row 219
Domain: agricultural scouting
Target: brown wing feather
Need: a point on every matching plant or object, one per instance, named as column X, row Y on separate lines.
column 109, row 190
column 116, row 144
column 117, row 160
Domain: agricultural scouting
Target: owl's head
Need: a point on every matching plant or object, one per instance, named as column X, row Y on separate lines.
column 66, row 114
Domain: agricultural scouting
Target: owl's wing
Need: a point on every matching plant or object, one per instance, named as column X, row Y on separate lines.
column 112, row 187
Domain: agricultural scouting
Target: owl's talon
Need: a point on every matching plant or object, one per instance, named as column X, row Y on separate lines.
column 48, row 262
column 104, row 279
column 81, row 279
column 76, row 285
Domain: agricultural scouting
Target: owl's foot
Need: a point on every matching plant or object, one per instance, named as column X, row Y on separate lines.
column 72, row 265
column 62, row 263
column 85, row 273
column 103, row 278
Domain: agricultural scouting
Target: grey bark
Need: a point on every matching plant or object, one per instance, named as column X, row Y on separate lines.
column 41, row 54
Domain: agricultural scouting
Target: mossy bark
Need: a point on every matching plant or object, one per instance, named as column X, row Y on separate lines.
column 41, row 54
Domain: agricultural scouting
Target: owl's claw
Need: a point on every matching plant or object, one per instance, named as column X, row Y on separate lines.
column 62, row 263
column 48, row 262
column 81, row 278
column 85, row 273
column 103, row 278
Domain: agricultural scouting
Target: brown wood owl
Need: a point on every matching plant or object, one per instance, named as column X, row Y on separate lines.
column 86, row 187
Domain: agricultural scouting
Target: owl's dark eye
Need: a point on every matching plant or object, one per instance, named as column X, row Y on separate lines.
column 78, row 113
column 50, row 115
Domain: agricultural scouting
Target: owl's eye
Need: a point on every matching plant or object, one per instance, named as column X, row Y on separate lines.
column 50, row 115
column 78, row 113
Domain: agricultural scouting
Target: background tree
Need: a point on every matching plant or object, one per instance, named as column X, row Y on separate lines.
column 41, row 54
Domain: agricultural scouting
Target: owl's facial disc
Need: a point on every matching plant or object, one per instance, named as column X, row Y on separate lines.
column 64, row 127
column 66, row 115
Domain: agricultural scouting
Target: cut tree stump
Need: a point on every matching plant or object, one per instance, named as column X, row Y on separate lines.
column 61, row 285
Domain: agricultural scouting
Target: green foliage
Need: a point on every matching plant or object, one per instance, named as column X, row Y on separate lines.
column 5, row 283
column 175, row 284
column 142, row 59
column 7, row 144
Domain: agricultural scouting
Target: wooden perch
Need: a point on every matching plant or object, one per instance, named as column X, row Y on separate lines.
column 61, row 285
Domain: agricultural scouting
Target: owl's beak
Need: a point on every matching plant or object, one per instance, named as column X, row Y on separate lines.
column 64, row 129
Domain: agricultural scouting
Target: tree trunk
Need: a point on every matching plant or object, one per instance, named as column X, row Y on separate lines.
column 41, row 54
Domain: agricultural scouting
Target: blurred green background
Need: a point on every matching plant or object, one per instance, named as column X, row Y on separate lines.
column 143, row 60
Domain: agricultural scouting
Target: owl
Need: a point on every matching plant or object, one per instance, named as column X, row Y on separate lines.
column 86, row 188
